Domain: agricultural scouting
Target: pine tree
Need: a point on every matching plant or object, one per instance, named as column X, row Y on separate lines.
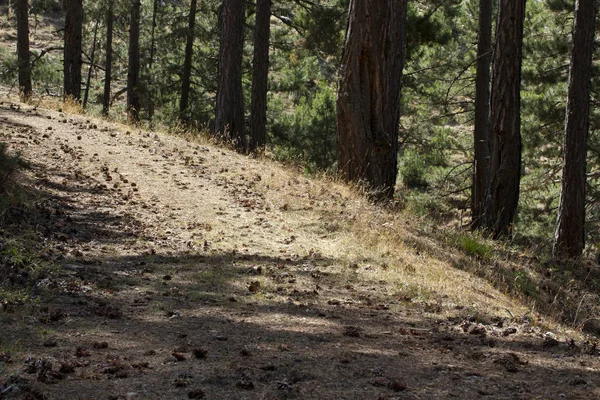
column 229, row 110
column 482, row 118
column 187, row 63
column 22, row 16
column 72, row 48
column 505, row 119
column 570, row 234
column 368, row 105
column 260, row 73
column 109, row 53
column 133, row 71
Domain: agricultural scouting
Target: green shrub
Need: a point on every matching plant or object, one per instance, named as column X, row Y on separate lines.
column 413, row 168
column 308, row 135
column 10, row 165
column 8, row 66
column 474, row 246
column 47, row 76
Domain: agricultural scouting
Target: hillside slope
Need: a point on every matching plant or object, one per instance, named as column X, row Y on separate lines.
column 168, row 269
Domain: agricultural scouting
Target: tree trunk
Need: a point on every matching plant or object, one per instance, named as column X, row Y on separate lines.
column 151, row 61
column 229, row 112
column 72, row 52
column 108, row 67
column 570, row 234
column 368, row 105
column 502, row 195
column 90, row 69
column 133, row 70
column 260, row 75
column 482, row 114
column 22, row 15
column 187, row 64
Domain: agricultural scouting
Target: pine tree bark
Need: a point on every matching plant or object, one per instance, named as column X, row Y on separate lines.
column 368, row 105
column 22, row 16
column 482, row 114
column 502, row 196
column 109, row 52
column 72, row 51
column 260, row 74
column 133, row 70
column 152, row 92
column 91, row 68
column 187, row 64
column 569, row 237
column 229, row 110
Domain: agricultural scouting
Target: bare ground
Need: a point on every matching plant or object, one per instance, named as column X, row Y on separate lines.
column 174, row 269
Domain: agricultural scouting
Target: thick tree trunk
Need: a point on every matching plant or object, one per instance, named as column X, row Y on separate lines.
column 570, row 234
column 22, row 15
column 229, row 111
column 260, row 74
column 133, row 70
column 91, row 68
column 108, row 67
column 72, row 52
column 187, row 64
column 368, row 105
column 502, row 195
column 482, row 114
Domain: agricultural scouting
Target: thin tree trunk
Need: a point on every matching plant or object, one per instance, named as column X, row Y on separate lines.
column 229, row 110
column 260, row 76
column 482, row 114
column 570, row 233
column 502, row 195
column 109, row 51
column 133, row 71
column 187, row 64
column 368, row 105
column 72, row 51
column 89, row 75
column 151, row 62
column 22, row 15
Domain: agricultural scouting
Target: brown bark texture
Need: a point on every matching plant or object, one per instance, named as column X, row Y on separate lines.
column 187, row 63
column 72, row 51
column 108, row 64
column 502, row 196
column 569, row 237
column 133, row 70
column 481, row 133
column 368, row 104
column 91, row 68
column 260, row 75
column 22, row 16
column 229, row 109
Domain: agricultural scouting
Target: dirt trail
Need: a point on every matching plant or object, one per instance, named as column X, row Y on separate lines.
column 188, row 271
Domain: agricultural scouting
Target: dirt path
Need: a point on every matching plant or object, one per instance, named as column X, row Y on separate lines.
column 187, row 271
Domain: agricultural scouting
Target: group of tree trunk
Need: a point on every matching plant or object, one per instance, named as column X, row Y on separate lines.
column 368, row 112
column 497, row 161
column 368, row 103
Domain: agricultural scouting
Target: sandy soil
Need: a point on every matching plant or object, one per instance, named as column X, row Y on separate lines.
column 183, row 270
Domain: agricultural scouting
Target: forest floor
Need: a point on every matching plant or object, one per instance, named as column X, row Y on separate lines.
column 149, row 266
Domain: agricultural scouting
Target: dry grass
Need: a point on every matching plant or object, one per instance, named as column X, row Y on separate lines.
column 267, row 262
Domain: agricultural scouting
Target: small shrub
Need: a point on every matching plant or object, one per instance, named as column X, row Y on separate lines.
column 8, row 66
column 523, row 283
column 10, row 165
column 474, row 246
column 413, row 168
column 308, row 135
